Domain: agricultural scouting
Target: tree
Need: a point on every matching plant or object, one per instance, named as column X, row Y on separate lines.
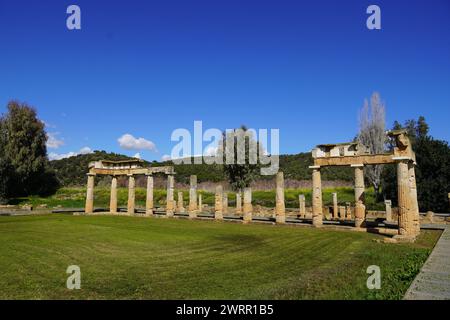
column 26, row 151
column 5, row 167
column 432, row 169
column 245, row 148
column 372, row 134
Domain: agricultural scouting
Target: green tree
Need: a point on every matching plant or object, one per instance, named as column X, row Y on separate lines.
column 432, row 170
column 26, row 151
column 5, row 167
column 240, row 175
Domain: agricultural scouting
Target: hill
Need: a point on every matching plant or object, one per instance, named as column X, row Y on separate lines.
column 72, row 171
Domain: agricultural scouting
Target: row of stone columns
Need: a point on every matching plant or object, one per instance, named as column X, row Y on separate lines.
column 317, row 205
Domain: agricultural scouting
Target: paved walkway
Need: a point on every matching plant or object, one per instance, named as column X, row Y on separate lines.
column 433, row 281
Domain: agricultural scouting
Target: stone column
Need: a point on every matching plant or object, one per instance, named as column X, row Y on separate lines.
column 170, row 203
column 348, row 210
column 388, row 204
column 180, row 202
column 405, row 223
column 89, row 208
column 113, row 197
column 193, row 194
column 225, row 202
column 149, row 206
column 317, row 197
column 238, row 203
column 247, row 208
column 335, row 206
column 280, row 210
column 131, row 194
column 414, row 205
column 342, row 213
column 218, row 213
column 200, row 204
column 360, row 208
column 302, row 205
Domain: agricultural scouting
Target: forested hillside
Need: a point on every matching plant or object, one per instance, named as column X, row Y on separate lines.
column 72, row 171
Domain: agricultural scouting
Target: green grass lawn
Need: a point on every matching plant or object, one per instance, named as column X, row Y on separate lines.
column 75, row 197
column 153, row 258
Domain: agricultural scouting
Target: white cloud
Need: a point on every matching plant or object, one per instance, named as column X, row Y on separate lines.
column 211, row 151
column 128, row 142
column 166, row 157
column 59, row 156
column 137, row 156
column 52, row 140
column 85, row 150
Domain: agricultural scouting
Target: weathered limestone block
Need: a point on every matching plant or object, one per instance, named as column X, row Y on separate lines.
column 218, row 207
column 170, row 203
column 335, row 206
column 200, row 203
column 415, row 215
column 342, row 212
column 113, row 196
column 388, row 205
column 248, row 208
column 238, row 203
column 280, row 209
column 131, row 194
column 405, row 219
column 89, row 208
column 193, row 194
column 180, row 202
column 429, row 217
column 360, row 208
column 225, row 202
column 302, row 204
column 317, row 197
column 348, row 211
column 149, row 206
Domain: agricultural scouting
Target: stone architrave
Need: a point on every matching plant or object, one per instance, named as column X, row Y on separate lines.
column 280, row 210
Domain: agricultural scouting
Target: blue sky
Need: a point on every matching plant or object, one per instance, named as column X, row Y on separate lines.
column 145, row 68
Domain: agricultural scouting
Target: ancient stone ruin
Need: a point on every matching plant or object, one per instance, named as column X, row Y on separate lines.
column 345, row 154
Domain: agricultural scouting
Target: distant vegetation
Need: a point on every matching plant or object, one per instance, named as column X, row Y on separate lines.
column 74, row 197
column 72, row 171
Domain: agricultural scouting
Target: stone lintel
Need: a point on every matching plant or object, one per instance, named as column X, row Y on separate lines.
column 359, row 165
column 314, row 167
column 359, row 159
column 401, row 158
